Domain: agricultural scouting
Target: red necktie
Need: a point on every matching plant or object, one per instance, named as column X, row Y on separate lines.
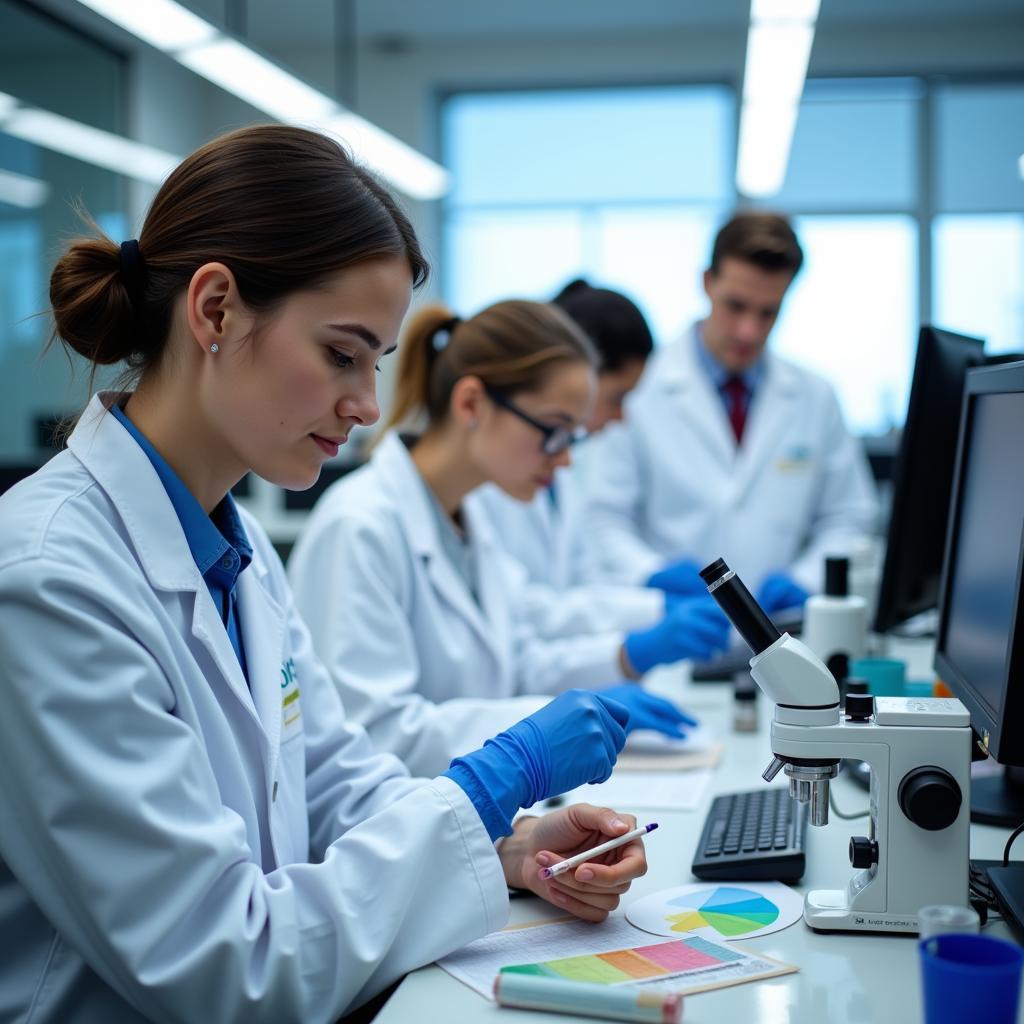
column 736, row 393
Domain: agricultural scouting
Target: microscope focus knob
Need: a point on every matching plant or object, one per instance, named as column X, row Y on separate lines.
column 930, row 797
column 859, row 706
column 863, row 851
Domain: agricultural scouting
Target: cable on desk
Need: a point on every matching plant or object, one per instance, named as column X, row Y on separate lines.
column 846, row 817
column 1009, row 842
column 981, row 896
column 978, row 884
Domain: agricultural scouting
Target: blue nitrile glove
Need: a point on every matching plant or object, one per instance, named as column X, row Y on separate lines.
column 778, row 591
column 682, row 578
column 649, row 712
column 692, row 628
column 569, row 742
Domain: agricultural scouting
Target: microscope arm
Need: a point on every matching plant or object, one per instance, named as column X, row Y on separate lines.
column 786, row 669
column 793, row 676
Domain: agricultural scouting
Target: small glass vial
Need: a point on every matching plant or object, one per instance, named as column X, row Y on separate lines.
column 744, row 707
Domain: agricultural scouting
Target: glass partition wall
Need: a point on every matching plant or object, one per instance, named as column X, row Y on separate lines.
column 46, row 64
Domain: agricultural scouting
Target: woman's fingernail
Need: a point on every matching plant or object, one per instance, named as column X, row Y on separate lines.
column 543, row 859
column 618, row 823
column 585, row 875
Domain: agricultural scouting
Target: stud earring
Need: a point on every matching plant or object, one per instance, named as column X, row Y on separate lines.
column 214, row 349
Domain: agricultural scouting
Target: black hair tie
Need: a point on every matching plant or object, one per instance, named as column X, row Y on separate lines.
column 133, row 272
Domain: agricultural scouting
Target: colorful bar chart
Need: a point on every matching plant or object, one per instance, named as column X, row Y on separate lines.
column 639, row 963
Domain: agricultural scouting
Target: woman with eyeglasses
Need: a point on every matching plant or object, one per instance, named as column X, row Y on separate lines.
column 415, row 607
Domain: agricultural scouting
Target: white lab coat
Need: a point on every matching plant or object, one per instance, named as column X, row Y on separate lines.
column 426, row 669
column 673, row 484
column 174, row 847
column 549, row 540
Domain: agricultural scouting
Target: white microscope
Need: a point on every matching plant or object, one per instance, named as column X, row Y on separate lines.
column 919, row 750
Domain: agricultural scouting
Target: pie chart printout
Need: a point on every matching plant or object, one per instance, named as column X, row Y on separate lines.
column 726, row 911
column 729, row 911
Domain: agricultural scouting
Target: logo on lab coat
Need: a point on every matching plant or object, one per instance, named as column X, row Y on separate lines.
column 795, row 457
column 291, row 712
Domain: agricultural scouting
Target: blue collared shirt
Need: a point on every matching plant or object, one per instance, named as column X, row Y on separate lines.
column 719, row 375
column 218, row 541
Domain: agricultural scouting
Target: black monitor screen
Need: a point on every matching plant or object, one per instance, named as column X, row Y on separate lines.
column 924, row 476
column 985, row 572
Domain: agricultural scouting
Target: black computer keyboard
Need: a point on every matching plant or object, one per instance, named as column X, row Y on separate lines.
column 753, row 836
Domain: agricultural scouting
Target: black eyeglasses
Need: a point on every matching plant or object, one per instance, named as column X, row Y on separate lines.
column 556, row 439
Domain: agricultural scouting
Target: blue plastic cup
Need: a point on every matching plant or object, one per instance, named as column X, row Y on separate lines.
column 970, row 978
column 885, row 676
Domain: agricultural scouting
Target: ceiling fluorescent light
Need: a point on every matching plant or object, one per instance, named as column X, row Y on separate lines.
column 779, row 43
column 776, row 66
column 784, row 10
column 21, row 190
column 402, row 165
column 265, row 85
column 766, row 133
column 92, row 145
column 162, row 23
column 260, row 82
column 8, row 104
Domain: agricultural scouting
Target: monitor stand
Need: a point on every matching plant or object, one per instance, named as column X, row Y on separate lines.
column 998, row 799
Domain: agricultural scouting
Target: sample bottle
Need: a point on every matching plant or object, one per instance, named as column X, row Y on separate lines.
column 744, row 708
column 836, row 622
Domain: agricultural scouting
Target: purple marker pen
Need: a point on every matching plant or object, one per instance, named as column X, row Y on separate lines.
column 567, row 865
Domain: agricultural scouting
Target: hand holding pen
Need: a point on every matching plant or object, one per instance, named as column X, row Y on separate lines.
column 581, row 858
column 590, row 889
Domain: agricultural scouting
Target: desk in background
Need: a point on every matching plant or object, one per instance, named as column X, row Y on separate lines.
column 843, row 979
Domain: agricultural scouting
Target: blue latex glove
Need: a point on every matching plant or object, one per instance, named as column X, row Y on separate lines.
column 778, row 591
column 571, row 741
column 649, row 712
column 692, row 628
column 681, row 578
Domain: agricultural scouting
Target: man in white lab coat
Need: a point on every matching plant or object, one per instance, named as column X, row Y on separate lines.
column 728, row 450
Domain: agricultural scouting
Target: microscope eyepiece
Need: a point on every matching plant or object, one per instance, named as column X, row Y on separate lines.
column 739, row 605
column 712, row 574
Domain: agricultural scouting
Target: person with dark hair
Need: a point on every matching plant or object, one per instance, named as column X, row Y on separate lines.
column 193, row 830
column 546, row 535
column 728, row 450
column 418, row 612
column 622, row 338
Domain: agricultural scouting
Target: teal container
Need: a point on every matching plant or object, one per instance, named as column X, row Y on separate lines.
column 886, row 677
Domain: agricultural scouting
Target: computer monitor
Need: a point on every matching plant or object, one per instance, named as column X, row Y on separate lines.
column 980, row 641
column 923, row 476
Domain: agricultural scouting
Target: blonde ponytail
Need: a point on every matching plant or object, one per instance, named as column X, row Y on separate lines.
column 427, row 331
column 510, row 346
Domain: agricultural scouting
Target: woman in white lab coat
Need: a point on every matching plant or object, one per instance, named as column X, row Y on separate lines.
column 192, row 830
column 548, row 536
column 413, row 603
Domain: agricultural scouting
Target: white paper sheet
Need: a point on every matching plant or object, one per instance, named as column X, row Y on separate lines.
column 476, row 965
column 650, row 741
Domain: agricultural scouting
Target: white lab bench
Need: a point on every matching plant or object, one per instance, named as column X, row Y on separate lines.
column 843, row 978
